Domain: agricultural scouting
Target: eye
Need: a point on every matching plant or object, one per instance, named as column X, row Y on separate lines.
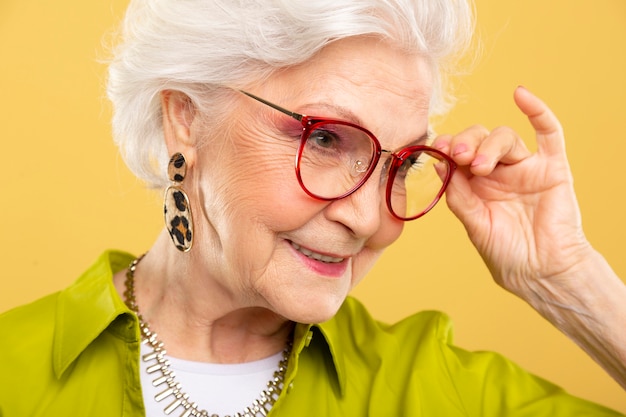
column 412, row 164
column 323, row 138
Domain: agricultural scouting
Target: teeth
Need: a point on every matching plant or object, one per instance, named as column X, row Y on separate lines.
column 316, row 256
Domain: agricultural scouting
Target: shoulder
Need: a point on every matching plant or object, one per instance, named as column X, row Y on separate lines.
column 27, row 333
column 30, row 328
column 43, row 339
column 29, row 324
column 417, row 356
column 40, row 314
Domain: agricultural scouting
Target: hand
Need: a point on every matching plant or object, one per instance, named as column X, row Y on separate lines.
column 518, row 207
column 521, row 213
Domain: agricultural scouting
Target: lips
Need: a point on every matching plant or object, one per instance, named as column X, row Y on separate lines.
column 317, row 256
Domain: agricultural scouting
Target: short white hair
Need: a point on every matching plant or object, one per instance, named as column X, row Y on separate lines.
column 194, row 46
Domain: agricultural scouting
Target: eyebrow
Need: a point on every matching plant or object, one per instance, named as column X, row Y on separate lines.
column 343, row 112
column 347, row 115
column 422, row 139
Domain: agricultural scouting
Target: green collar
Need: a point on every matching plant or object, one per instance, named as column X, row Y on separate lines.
column 89, row 307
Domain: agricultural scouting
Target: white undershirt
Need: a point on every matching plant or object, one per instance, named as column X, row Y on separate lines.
column 222, row 389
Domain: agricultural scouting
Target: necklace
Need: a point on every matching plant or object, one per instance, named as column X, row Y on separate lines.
column 160, row 367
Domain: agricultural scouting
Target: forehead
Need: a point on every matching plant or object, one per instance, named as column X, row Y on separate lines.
column 365, row 80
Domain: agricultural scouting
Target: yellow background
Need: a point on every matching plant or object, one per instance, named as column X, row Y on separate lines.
column 65, row 194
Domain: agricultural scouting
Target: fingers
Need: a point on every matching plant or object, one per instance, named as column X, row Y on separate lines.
column 550, row 139
column 481, row 150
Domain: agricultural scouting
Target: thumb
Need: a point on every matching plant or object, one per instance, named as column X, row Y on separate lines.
column 462, row 201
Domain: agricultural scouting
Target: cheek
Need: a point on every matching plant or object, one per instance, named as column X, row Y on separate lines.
column 390, row 231
column 255, row 183
column 375, row 246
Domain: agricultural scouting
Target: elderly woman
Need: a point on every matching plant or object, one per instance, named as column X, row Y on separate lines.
column 292, row 140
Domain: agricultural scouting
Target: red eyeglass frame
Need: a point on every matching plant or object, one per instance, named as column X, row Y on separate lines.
column 310, row 123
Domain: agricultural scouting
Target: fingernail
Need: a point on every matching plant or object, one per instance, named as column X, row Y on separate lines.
column 479, row 160
column 460, row 148
column 442, row 144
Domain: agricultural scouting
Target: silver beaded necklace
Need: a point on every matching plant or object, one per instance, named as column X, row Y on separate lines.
column 159, row 366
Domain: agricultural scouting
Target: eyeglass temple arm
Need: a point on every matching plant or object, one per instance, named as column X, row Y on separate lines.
column 296, row 116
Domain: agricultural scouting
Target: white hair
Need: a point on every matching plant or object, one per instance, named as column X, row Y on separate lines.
column 195, row 46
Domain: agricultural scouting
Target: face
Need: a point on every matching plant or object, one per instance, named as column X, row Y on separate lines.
column 263, row 241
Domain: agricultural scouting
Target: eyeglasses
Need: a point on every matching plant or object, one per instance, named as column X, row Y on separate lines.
column 336, row 157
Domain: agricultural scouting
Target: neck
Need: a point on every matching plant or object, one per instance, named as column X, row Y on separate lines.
column 189, row 306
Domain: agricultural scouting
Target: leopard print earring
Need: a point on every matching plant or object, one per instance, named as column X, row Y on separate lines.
column 176, row 207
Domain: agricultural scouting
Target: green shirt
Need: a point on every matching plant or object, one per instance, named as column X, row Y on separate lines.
column 76, row 353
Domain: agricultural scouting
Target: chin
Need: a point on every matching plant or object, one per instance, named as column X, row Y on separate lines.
column 313, row 311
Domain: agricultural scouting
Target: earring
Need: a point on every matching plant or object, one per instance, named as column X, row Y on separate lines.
column 176, row 207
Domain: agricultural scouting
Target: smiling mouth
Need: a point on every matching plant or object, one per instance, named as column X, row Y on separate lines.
column 317, row 256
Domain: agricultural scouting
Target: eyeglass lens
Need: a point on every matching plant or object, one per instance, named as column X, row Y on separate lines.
column 336, row 158
column 418, row 181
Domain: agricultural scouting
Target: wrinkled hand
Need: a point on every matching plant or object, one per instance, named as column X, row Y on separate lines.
column 518, row 207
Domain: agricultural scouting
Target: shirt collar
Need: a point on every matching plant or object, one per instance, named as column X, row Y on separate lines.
column 331, row 330
column 90, row 306
column 327, row 337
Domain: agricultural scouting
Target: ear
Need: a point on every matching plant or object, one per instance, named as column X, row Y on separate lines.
column 178, row 115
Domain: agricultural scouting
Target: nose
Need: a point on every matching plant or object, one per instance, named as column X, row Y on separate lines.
column 362, row 211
